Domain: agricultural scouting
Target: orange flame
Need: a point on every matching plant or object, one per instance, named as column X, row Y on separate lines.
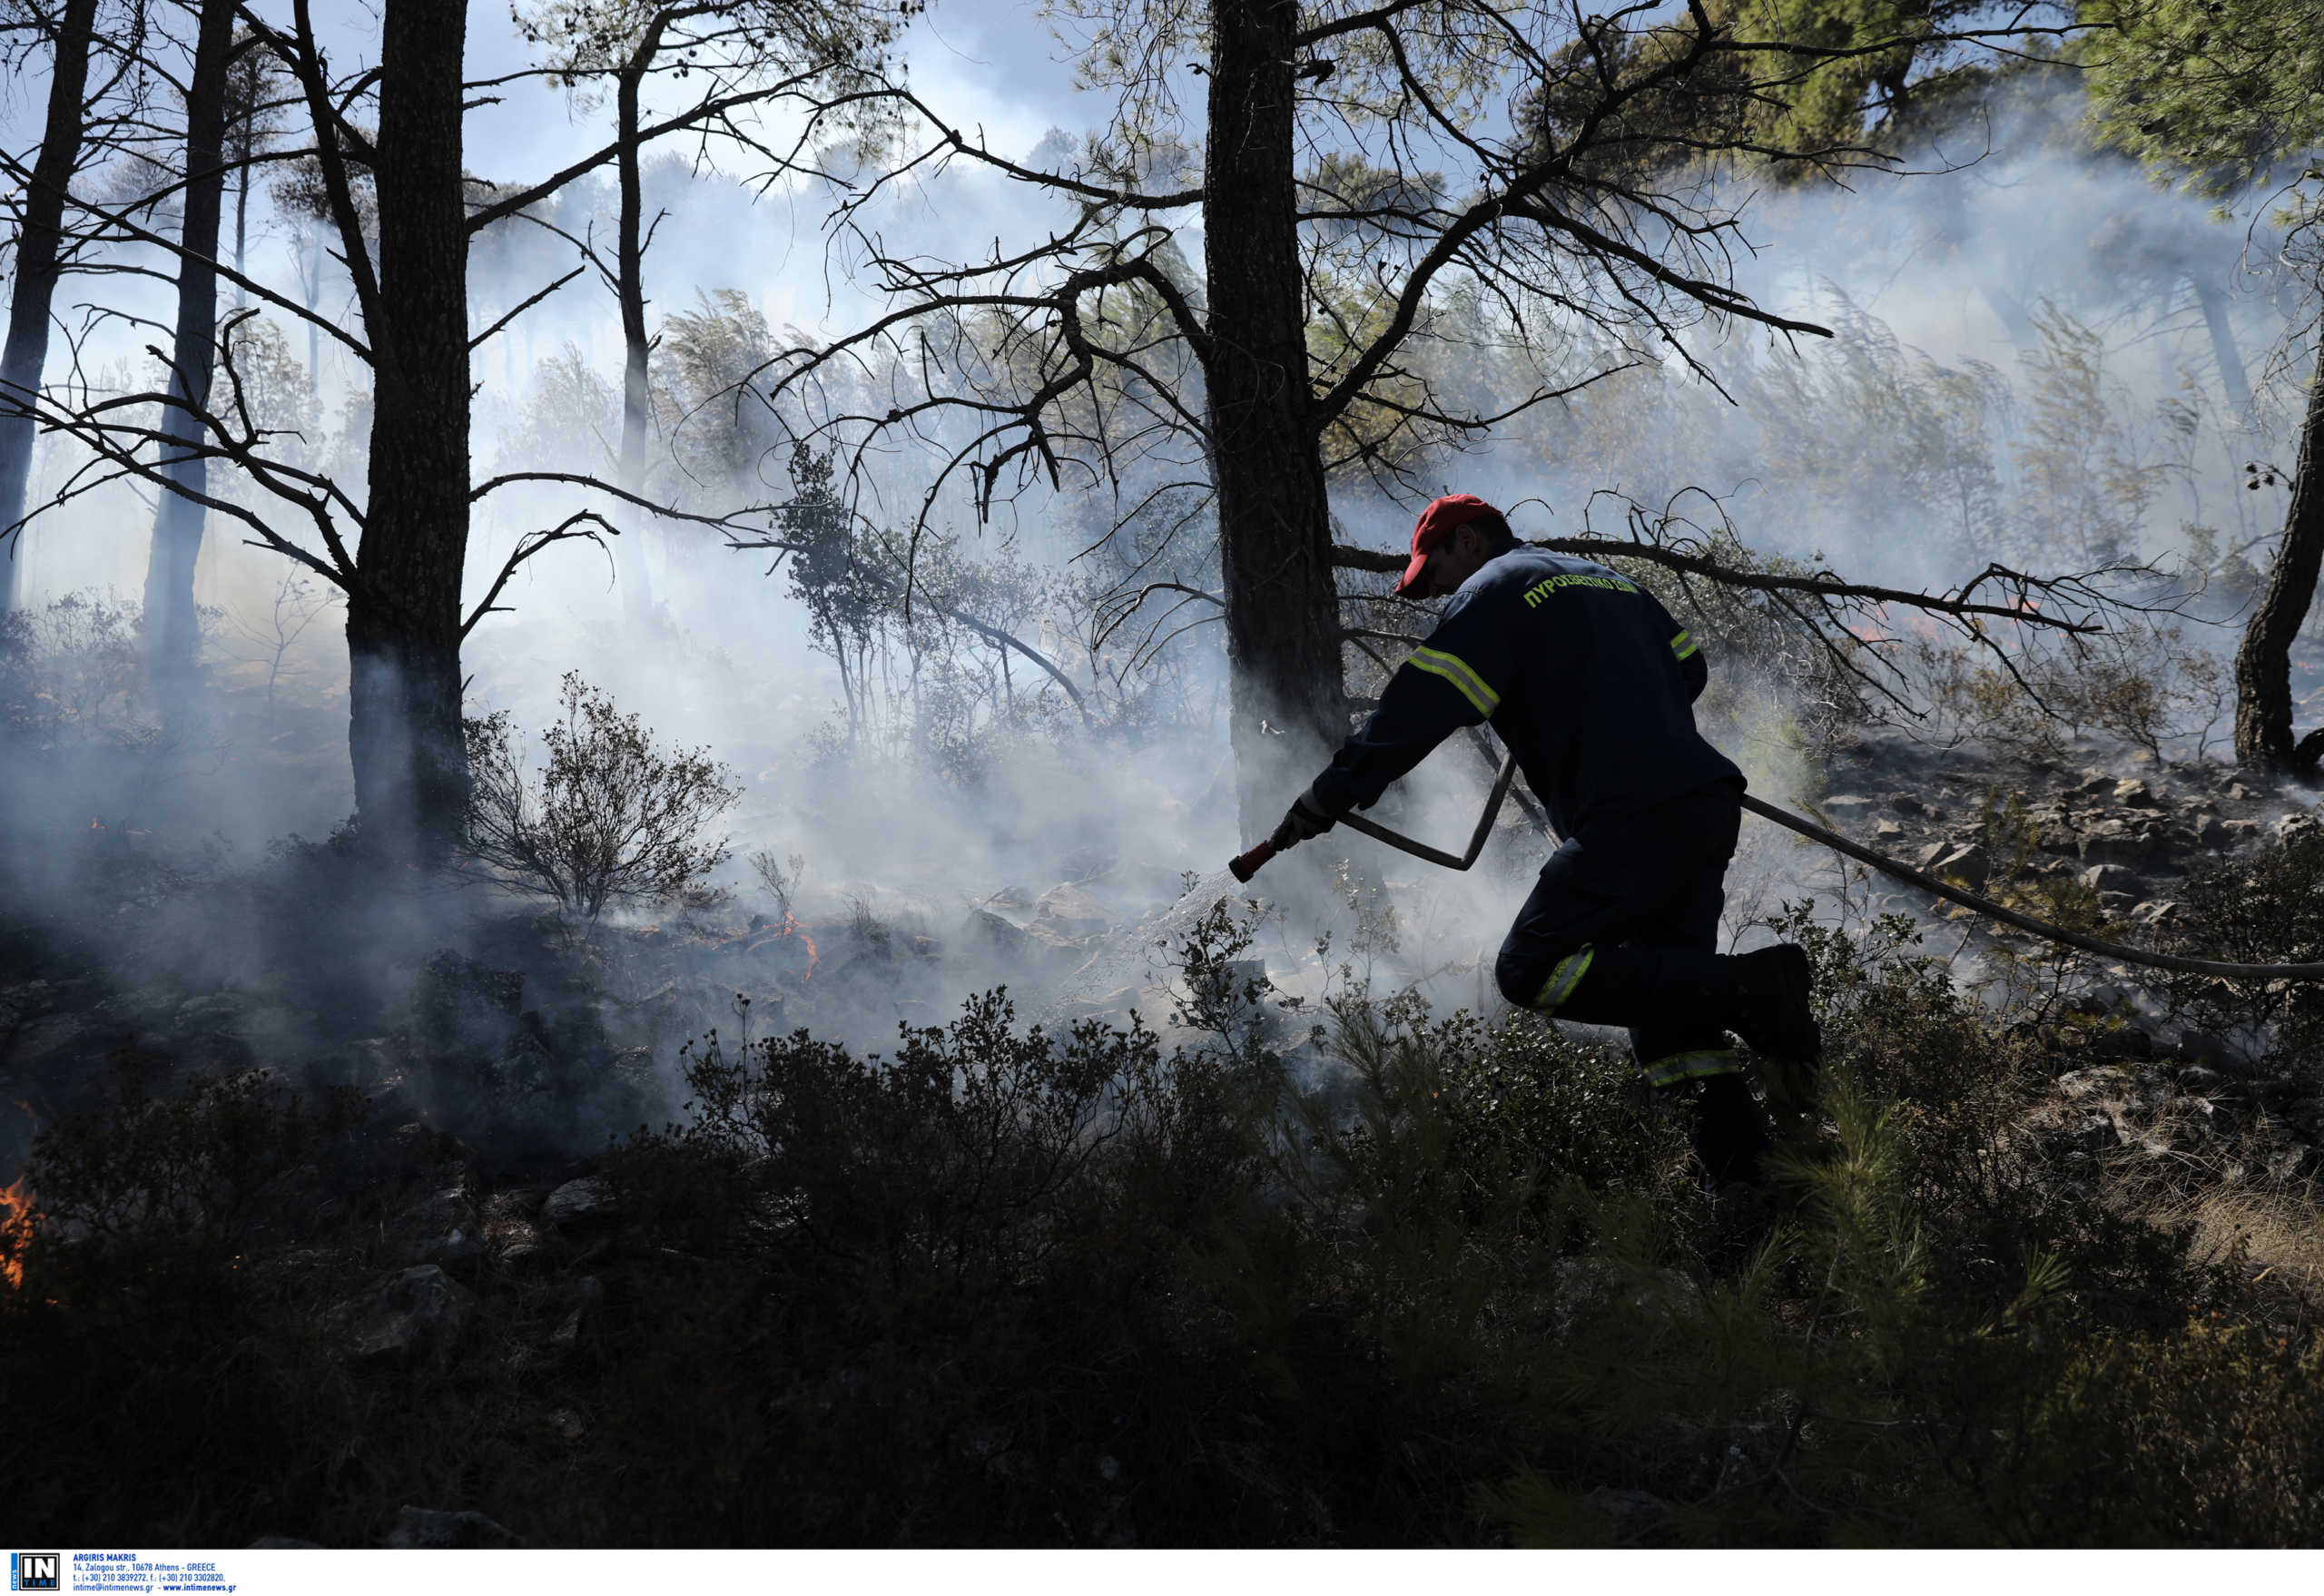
column 751, row 941
column 17, row 1218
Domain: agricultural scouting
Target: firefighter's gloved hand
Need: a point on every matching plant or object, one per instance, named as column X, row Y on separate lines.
column 1305, row 818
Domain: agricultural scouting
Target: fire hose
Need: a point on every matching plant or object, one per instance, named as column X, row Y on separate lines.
column 1246, row 865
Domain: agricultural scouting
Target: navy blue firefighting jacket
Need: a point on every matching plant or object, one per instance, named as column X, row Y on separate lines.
column 1582, row 674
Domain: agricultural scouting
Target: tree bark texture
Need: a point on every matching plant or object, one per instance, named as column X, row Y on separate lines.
column 39, row 241
column 2263, row 728
column 170, row 633
column 403, row 613
column 1288, row 707
column 637, row 395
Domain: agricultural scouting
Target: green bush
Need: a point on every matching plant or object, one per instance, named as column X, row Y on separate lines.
column 1006, row 1286
column 2262, row 908
column 138, row 1183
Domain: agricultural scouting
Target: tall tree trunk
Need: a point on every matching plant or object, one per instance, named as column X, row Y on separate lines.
column 1288, row 708
column 241, row 222
column 2263, row 728
column 170, row 633
column 636, row 395
column 314, row 284
column 403, row 616
column 2231, row 377
column 39, row 239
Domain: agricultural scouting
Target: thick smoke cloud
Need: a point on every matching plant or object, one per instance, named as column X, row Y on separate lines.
column 1974, row 311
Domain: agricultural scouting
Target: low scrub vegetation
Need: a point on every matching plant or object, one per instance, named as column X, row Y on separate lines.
column 612, row 816
column 1433, row 1281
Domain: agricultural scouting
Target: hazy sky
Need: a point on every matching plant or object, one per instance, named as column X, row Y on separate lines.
column 993, row 62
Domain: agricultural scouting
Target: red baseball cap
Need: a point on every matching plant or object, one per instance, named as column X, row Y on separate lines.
column 1437, row 523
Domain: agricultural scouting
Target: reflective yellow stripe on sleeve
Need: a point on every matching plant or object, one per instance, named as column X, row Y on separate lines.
column 1564, row 979
column 1694, row 1066
column 1455, row 670
column 1682, row 645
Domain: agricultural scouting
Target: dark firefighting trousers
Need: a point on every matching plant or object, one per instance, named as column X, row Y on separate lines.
column 1622, row 928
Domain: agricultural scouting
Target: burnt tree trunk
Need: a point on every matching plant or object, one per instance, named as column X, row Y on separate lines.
column 637, row 395
column 403, row 613
column 170, row 633
column 2263, row 728
column 1288, row 707
column 39, row 242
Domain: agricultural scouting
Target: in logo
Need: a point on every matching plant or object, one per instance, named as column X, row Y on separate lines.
column 34, row 1570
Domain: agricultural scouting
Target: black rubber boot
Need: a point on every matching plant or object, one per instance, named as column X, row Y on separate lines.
column 1771, row 1011
column 1731, row 1133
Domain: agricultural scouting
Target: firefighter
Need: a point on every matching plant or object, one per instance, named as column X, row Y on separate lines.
column 1588, row 680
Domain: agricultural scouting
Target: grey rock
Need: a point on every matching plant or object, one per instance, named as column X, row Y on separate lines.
column 43, row 1038
column 1052, row 944
column 589, row 1295
column 985, row 935
column 416, row 1313
column 1964, row 862
column 1113, row 1007
column 2136, row 795
column 525, row 1069
column 2109, row 878
column 441, row 1228
column 578, row 1204
column 29, row 1001
column 2158, row 912
column 2115, row 904
column 1846, row 805
column 1073, row 911
column 2086, row 1130
column 2117, row 842
column 146, row 1007
column 213, row 1011
column 435, row 1530
column 2103, row 1080
column 1906, row 804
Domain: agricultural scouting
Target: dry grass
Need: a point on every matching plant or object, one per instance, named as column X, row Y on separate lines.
column 2275, row 1232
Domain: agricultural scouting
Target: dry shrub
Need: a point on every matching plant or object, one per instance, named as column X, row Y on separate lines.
column 613, row 817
